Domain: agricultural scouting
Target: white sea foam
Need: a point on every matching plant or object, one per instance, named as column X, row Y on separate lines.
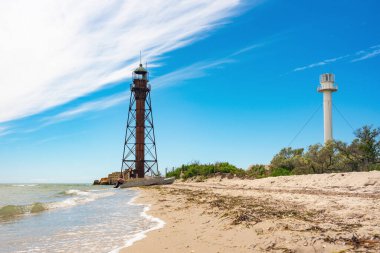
column 81, row 197
column 142, row 234
column 77, row 192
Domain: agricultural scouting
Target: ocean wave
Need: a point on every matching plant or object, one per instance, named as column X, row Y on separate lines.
column 10, row 211
column 77, row 197
column 76, row 192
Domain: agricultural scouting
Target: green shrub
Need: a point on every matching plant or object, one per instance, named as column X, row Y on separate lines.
column 257, row 171
column 279, row 172
column 204, row 170
column 374, row 167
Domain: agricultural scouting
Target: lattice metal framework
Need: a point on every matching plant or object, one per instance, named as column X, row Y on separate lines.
column 140, row 153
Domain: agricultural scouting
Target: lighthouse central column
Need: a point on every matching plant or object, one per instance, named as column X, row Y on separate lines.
column 140, row 95
column 327, row 112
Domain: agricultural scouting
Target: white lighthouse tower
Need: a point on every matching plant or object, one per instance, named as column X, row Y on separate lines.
column 327, row 87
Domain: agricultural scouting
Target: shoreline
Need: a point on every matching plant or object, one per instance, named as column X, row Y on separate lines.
column 308, row 213
column 140, row 235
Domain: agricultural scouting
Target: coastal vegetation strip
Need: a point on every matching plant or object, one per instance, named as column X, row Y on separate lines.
column 362, row 154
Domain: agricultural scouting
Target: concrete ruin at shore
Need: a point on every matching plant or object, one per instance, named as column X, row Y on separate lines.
column 111, row 179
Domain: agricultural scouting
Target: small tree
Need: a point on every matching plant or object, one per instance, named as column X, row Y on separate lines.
column 368, row 144
column 288, row 159
column 349, row 156
column 324, row 158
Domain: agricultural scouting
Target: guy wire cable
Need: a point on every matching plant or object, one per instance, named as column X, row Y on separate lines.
column 306, row 123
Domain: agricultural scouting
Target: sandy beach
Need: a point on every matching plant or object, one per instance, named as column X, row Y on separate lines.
column 308, row 213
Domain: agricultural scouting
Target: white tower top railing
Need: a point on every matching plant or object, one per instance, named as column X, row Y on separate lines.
column 327, row 83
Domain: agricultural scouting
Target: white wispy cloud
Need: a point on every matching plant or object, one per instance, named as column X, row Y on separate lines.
column 97, row 105
column 198, row 69
column 321, row 63
column 4, row 130
column 364, row 55
column 367, row 55
column 193, row 71
column 55, row 51
column 246, row 49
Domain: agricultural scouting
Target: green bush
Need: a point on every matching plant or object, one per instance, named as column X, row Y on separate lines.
column 174, row 173
column 204, row 170
column 279, row 172
column 257, row 171
column 374, row 167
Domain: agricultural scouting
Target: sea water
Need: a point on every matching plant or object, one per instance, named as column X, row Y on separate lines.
column 70, row 218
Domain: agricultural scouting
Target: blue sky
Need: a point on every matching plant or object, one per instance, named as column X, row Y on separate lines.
column 232, row 80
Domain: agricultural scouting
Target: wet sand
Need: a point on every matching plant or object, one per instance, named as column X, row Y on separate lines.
column 309, row 213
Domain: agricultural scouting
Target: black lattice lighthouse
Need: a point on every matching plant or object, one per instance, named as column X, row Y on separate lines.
column 140, row 154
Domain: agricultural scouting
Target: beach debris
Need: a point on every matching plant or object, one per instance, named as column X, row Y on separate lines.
column 319, row 227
